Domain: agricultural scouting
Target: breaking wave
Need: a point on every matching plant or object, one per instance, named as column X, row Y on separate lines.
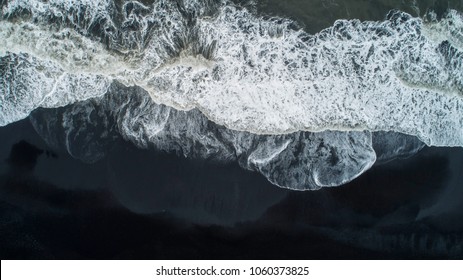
column 210, row 79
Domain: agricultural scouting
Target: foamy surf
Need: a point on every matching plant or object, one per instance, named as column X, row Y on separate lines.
column 246, row 74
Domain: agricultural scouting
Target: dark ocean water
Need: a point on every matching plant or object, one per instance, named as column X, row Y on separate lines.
column 141, row 203
column 318, row 14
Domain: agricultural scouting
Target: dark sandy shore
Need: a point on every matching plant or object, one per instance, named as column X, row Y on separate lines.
column 143, row 204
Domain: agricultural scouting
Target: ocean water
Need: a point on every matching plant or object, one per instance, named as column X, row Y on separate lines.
column 336, row 123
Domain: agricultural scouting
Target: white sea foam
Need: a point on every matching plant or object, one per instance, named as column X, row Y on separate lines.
column 259, row 75
column 314, row 97
column 28, row 83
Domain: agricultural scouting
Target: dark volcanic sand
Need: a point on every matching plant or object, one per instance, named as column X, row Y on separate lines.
column 143, row 204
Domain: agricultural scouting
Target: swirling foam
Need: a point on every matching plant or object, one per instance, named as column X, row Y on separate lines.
column 225, row 76
column 258, row 75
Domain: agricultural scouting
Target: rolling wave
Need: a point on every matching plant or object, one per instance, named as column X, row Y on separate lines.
column 208, row 78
